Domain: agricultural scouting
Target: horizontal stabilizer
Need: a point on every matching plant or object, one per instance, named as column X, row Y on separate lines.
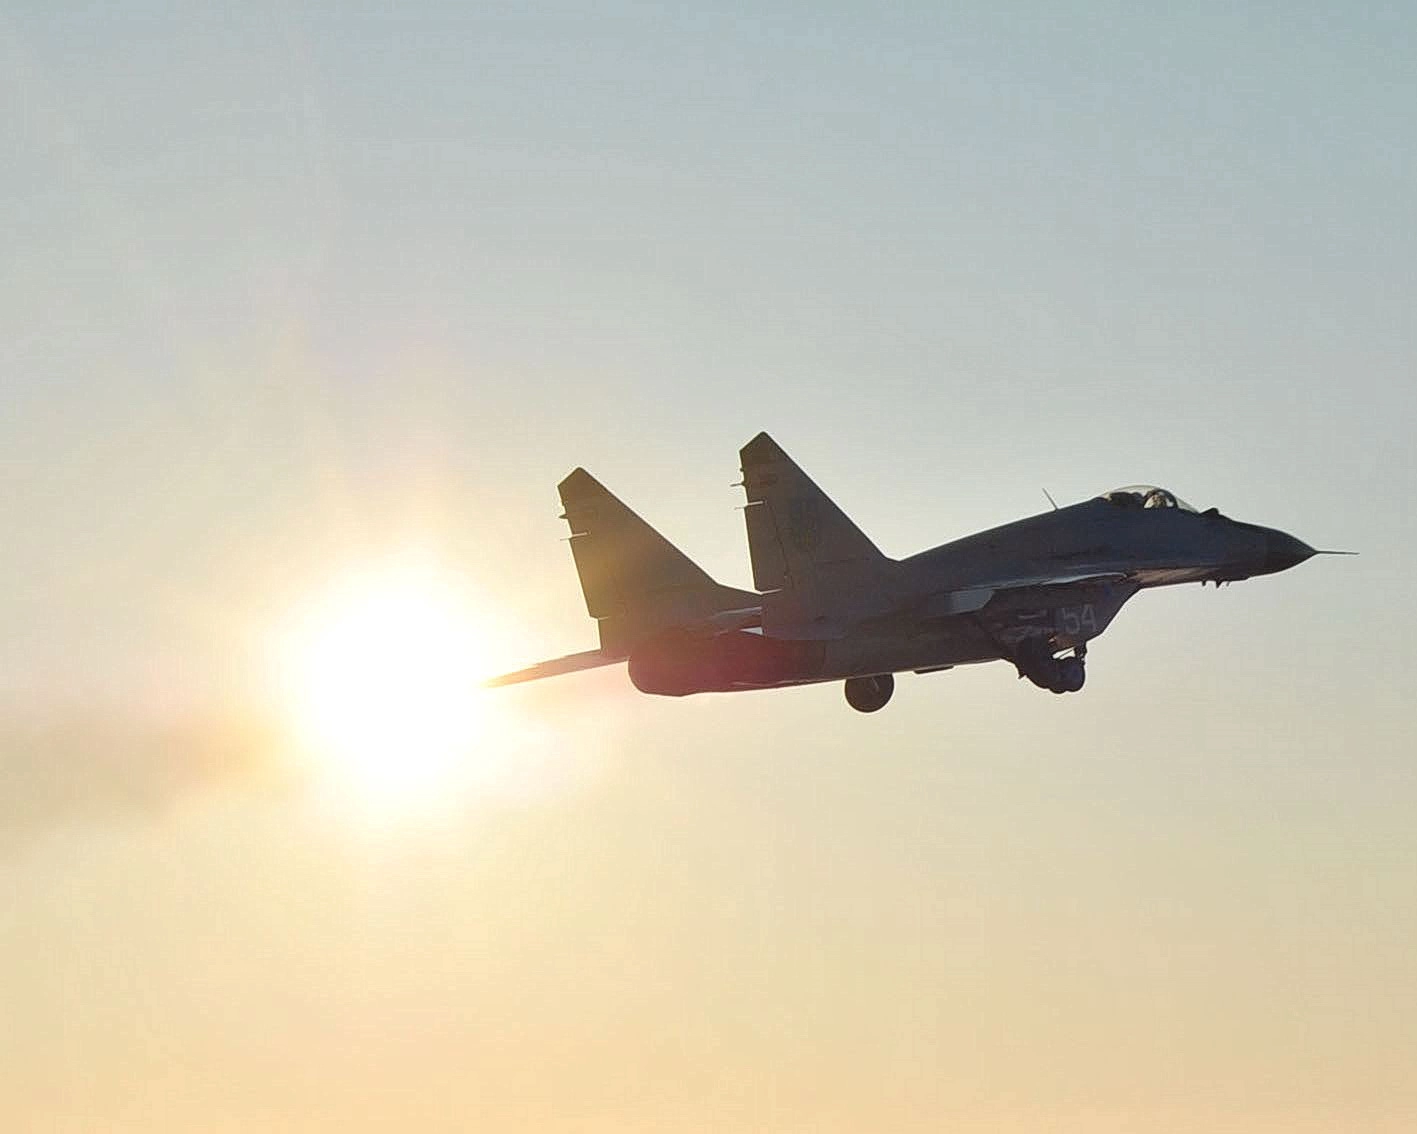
column 571, row 663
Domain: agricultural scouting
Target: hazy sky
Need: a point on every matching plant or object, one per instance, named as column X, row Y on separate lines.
column 300, row 289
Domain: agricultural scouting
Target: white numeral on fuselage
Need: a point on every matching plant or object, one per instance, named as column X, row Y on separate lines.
column 1073, row 620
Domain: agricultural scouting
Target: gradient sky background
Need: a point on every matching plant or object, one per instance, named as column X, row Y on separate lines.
column 300, row 288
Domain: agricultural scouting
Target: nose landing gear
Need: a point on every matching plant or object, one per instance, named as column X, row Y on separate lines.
column 867, row 694
column 1035, row 661
column 1071, row 675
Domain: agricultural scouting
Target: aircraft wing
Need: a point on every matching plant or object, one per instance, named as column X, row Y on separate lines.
column 1055, row 580
column 571, row 663
column 966, row 600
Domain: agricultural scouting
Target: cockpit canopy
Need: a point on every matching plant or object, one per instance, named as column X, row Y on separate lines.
column 1145, row 496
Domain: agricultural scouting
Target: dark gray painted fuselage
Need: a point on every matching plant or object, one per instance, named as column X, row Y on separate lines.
column 1104, row 551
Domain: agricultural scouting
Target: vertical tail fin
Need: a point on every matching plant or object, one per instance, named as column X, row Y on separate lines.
column 635, row 581
column 824, row 568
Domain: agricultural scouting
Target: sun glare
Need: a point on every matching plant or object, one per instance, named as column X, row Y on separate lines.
column 382, row 678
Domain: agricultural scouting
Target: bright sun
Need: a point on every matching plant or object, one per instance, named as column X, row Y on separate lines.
column 382, row 678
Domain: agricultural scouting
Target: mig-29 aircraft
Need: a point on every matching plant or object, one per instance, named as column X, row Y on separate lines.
column 829, row 606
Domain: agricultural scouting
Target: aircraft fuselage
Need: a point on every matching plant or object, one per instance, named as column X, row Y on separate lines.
column 1111, row 551
column 827, row 605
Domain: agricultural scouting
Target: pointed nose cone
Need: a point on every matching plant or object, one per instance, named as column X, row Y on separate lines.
column 1283, row 551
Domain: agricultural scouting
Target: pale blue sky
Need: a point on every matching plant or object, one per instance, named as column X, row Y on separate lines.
column 295, row 285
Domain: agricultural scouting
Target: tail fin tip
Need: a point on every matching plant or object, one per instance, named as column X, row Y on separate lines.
column 578, row 480
column 761, row 449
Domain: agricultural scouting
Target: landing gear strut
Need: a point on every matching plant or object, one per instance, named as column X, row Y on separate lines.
column 1035, row 661
column 867, row 694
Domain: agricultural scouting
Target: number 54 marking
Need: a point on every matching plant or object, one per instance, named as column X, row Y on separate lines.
column 1073, row 620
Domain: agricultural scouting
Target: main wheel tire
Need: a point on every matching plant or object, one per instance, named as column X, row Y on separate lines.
column 868, row 694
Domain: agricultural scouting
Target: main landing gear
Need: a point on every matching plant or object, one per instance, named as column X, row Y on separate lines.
column 867, row 694
column 1035, row 661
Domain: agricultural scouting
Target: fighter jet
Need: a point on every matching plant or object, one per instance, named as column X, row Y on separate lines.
column 829, row 606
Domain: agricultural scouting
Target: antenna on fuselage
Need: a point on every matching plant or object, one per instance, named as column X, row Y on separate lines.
column 1051, row 500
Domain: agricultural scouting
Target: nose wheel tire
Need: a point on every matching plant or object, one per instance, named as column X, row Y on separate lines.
column 1036, row 662
column 1071, row 675
column 867, row 694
